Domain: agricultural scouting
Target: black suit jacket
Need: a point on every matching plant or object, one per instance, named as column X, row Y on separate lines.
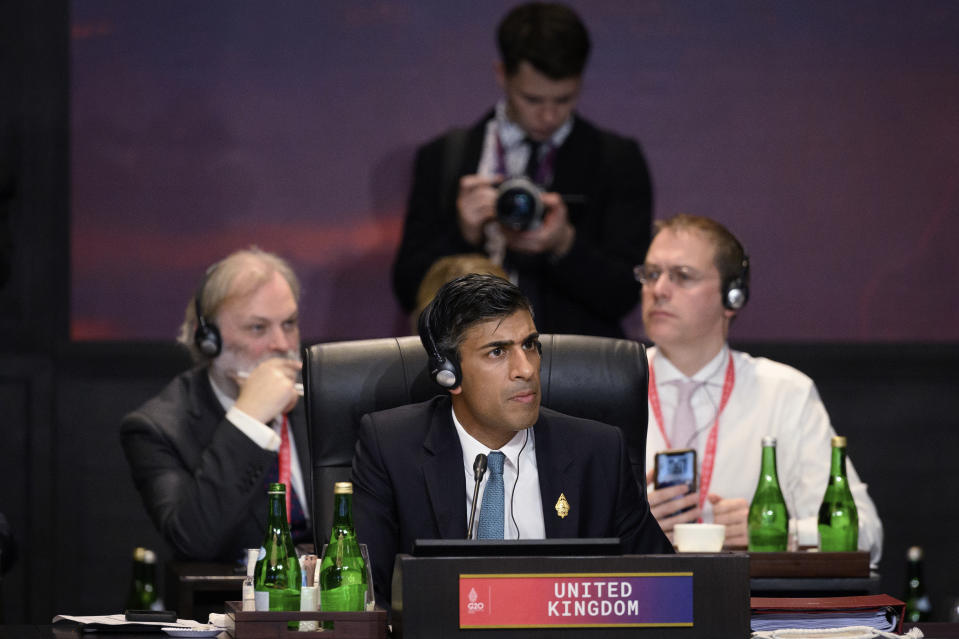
column 201, row 479
column 591, row 288
column 409, row 484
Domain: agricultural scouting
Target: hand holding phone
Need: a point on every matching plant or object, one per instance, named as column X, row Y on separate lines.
column 675, row 467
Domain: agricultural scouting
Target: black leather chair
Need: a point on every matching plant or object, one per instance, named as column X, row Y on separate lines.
column 594, row 377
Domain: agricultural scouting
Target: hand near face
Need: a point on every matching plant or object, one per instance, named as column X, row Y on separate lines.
column 665, row 502
column 733, row 513
column 269, row 390
column 554, row 236
column 476, row 205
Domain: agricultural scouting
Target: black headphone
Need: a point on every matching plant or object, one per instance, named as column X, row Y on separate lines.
column 206, row 337
column 736, row 289
column 445, row 371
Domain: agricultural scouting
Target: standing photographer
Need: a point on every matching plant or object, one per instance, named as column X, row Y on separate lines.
column 575, row 261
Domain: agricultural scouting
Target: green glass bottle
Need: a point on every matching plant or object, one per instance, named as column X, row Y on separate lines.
column 143, row 587
column 838, row 517
column 343, row 576
column 135, row 596
column 918, row 606
column 768, row 517
column 277, row 576
column 151, row 599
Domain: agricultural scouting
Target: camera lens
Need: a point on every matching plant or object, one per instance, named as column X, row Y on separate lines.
column 519, row 205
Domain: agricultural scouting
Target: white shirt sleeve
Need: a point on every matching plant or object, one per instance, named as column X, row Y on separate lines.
column 261, row 434
column 807, row 482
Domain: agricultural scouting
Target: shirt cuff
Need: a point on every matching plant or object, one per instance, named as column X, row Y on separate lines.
column 261, row 434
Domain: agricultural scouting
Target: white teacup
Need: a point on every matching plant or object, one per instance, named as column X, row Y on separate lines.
column 699, row 537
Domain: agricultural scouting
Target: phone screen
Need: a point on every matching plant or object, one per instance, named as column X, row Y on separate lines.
column 676, row 467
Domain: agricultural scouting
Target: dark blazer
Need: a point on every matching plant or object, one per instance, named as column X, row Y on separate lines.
column 409, row 484
column 201, row 479
column 590, row 289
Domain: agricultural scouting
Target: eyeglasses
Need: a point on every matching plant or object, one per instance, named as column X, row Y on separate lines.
column 681, row 276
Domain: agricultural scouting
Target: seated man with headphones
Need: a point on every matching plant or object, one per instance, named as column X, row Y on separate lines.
column 203, row 451
column 719, row 402
column 547, row 475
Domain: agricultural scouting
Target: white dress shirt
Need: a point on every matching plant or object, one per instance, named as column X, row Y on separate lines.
column 522, row 502
column 769, row 398
column 503, row 133
column 266, row 437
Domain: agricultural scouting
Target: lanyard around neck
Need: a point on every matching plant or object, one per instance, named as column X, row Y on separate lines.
column 709, row 454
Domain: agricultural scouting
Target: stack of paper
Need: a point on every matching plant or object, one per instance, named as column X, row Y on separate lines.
column 881, row 612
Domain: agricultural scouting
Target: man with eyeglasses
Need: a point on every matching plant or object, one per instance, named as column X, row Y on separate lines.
column 720, row 402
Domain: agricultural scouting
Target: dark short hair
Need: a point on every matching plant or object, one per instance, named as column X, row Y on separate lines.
column 464, row 302
column 730, row 254
column 549, row 36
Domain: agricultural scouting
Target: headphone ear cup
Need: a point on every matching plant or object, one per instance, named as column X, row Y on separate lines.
column 735, row 294
column 444, row 372
column 207, row 338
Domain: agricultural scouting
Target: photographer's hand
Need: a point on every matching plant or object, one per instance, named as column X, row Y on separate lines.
column 476, row 205
column 555, row 235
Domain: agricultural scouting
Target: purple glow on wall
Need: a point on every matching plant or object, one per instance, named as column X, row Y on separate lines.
column 824, row 135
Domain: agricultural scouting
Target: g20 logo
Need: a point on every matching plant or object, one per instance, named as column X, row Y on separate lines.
column 474, row 606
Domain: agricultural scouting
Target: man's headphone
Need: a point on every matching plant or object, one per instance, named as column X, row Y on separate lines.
column 736, row 289
column 445, row 371
column 206, row 337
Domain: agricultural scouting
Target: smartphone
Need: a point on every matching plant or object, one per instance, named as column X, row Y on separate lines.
column 673, row 467
column 165, row 616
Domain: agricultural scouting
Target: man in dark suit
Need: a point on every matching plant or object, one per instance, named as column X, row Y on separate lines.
column 576, row 266
column 413, row 468
column 202, row 451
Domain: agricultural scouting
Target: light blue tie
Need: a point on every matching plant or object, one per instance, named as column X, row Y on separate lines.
column 491, row 513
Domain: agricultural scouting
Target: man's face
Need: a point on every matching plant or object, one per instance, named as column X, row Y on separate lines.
column 536, row 102
column 687, row 313
column 258, row 326
column 499, row 394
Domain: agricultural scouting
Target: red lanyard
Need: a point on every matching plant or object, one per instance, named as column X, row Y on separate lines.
column 283, row 462
column 709, row 456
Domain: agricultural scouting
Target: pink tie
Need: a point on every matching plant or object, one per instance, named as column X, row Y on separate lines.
column 684, row 421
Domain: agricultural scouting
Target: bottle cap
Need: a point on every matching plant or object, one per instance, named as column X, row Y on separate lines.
column 343, row 488
column 838, row 441
column 149, row 557
column 769, row 440
column 138, row 553
column 914, row 553
column 276, row 489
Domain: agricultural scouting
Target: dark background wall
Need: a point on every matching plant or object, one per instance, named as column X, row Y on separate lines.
column 63, row 481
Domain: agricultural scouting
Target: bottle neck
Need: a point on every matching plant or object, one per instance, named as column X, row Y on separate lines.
column 277, row 513
column 914, row 571
column 342, row 512
column 838, row 466
column 768, row 472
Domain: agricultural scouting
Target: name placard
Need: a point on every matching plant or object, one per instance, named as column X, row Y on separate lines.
column 578, row 600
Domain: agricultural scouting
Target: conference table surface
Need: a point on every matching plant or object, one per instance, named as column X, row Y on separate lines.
column 931, row 630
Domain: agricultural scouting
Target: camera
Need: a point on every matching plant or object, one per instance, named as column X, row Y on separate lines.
column 519, row 204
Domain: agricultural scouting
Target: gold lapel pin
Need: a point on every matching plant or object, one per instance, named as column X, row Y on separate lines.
column 562, row 506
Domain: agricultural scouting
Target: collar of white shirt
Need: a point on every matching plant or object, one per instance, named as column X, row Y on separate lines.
column 712, row 373
column 471, row 447
column 512, row 135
